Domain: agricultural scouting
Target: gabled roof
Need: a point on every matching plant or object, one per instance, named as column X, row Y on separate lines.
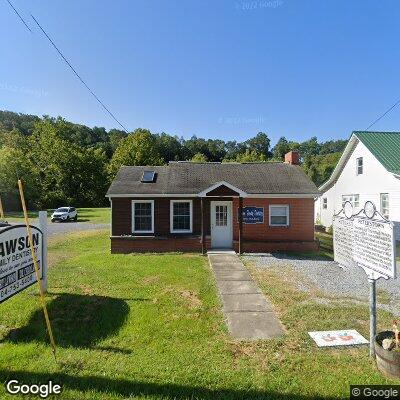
column 385, row 146
column 187, row 178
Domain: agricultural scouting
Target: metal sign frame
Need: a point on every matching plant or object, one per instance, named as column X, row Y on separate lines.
column 370, row 213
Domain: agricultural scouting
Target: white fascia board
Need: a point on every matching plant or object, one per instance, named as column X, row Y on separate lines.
column 222, row 183
column 341, row 163
column 251, row 195
column 151, row 195
column 283, row 195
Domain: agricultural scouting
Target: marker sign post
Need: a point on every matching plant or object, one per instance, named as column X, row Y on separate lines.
column 366, row 240
column 17, row 271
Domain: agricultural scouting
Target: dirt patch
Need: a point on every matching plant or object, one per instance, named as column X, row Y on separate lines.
column 191, row 298
column 149, row 280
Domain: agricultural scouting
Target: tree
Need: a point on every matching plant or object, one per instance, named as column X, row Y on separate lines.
column 281, row 148
column 138, row 148
column 259, row 144
column 251, row 156
column 199, row 158
column 170, row 147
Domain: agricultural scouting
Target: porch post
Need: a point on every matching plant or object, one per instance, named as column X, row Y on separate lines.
column 203, row 245
column 240, row 217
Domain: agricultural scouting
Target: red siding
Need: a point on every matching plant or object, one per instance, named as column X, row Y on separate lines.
column 298, row 236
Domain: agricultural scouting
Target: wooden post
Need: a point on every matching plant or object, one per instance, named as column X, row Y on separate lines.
column 203, row 244
column 1, row 210
column 43, row 228
column 240, row 217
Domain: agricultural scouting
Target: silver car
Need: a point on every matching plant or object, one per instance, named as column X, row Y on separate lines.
column 64, row 214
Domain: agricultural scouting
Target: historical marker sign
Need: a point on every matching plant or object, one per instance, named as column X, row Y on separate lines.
column 366, row 242
column 253, row 215
column 17, row 271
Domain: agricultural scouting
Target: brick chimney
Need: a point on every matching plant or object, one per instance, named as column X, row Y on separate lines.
column 293, row 157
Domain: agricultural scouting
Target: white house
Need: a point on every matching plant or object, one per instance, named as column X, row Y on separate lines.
column 369, row 169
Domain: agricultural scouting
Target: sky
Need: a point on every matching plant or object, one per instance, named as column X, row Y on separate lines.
column 215, row 69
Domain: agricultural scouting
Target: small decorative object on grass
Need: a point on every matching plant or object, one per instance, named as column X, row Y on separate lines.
column 387, row 351
column 348, row 337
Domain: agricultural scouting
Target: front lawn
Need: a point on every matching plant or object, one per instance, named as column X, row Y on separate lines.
column 92, row 215
column 150, row 326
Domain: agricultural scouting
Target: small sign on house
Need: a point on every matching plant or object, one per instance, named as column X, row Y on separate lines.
column 253, row 215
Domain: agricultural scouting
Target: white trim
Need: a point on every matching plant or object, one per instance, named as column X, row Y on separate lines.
column 250, row 195
column 133, row 215
column 341, row 163
column 147, row 195
column 288, row 214
column 111, row 222
column 229, row 204
column 171, row 216
column 284, row 195
column 218, row 184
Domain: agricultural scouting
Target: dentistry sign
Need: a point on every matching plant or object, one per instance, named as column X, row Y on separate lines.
column 253, row 215
column 17, row 271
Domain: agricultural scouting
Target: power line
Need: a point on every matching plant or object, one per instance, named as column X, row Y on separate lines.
column 78, row 76
column 386, row 112
column 16, row 12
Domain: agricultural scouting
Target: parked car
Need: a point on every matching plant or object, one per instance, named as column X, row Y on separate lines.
column 64, row 214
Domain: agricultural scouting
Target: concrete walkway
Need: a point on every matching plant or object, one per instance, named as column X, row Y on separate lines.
column 248, row 313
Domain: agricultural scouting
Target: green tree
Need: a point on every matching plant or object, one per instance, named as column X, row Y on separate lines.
column 251, row 156
column 138, row 148
column 281, row 148
column 199, row 158
column 259, row 144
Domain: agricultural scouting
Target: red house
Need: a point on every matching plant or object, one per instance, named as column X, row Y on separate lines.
column 185, row 206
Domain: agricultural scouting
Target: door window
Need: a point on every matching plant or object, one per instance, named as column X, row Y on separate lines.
column 221, row 215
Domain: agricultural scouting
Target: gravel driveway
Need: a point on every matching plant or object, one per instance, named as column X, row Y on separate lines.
column 331, row 279
column 56, row 228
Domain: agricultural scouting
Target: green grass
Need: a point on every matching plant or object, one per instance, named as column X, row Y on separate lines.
column 93, row 215
column 150, row 326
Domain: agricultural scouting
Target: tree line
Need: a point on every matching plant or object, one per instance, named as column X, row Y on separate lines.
column 62, row 162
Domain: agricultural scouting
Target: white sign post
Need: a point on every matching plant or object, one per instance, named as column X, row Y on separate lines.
column 366, row 240
column 17, row 271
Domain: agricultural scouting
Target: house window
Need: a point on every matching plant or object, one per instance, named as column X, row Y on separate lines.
column 324, row 203
column 279, row 215
column 143, row 216
column 360, row 165
column 181, row 216
column 354, row 199
column 385, row 205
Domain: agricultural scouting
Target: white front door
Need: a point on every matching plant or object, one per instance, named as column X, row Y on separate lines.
column 221, row 224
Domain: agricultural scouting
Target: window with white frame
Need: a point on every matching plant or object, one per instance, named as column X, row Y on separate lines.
column 143, row 216
column 385, row 205
column 354, row 199
column 181, row 216
column 359, row 165
column 324, row 203
column 279, row 215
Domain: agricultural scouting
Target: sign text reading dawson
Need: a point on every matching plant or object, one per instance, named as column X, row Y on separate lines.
column 17, row 271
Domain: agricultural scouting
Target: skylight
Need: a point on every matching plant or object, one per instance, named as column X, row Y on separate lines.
column 148, row 176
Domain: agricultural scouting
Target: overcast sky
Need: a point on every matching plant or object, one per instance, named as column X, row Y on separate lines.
column 219, row 69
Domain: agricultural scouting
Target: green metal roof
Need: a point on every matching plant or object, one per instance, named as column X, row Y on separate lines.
column 385, row 146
